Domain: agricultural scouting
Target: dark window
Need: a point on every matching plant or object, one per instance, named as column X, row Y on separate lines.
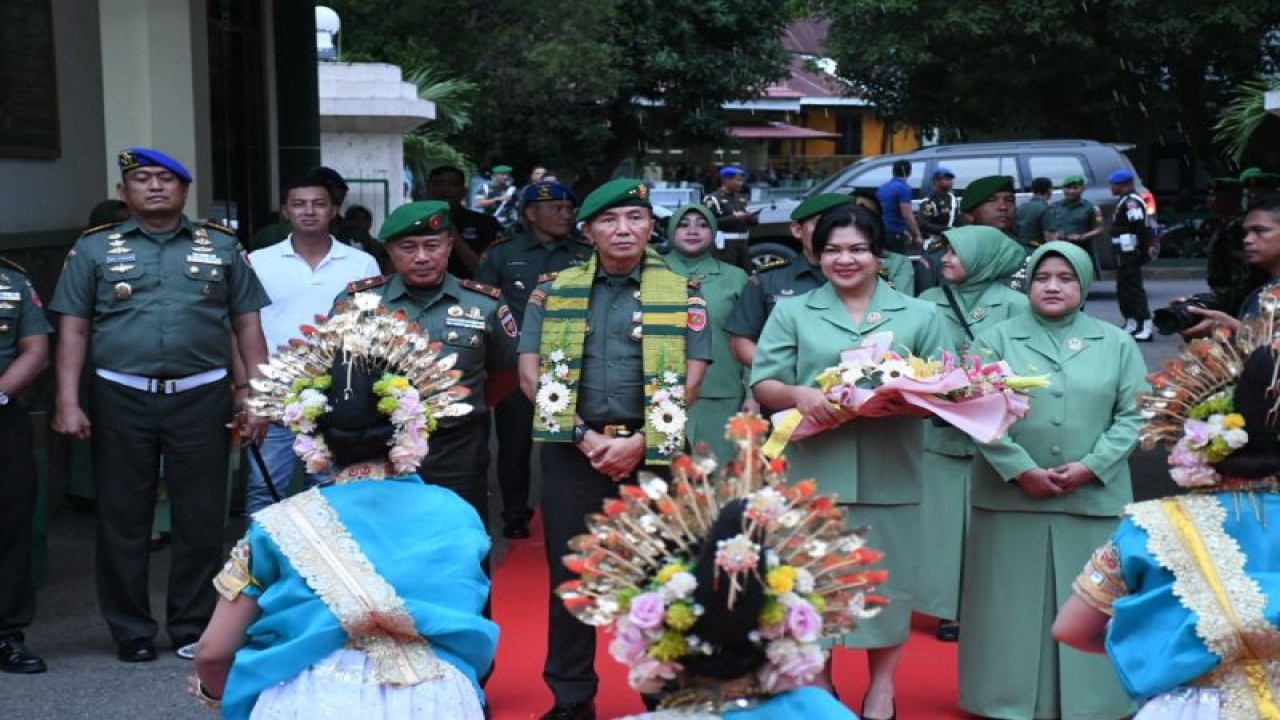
column 242, row 195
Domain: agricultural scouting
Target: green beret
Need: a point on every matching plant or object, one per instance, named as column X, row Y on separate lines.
column 1249, row 173
column 622, row 192
column 981, row 190
column 506, row 169
column 426, row 217
column 1263, row 181
column 1229, row 184
column 1072, row 180
column 818, row 204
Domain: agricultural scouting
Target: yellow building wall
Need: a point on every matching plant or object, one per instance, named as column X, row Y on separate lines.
column 903, row 140
column 825, row 122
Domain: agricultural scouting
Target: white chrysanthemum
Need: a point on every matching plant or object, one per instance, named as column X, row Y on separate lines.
column 553, row 398
column 667, row 418
column 670, row 378
column 804, row 581
column 556, row 356
column 367, row 301
column 896, row 369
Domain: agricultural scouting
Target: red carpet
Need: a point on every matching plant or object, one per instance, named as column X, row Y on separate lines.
column 926, row 678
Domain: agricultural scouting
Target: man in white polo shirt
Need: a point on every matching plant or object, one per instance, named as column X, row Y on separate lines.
column 302, row 274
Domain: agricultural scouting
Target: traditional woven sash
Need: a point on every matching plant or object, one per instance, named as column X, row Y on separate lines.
column 309, row 532
column 664, row 306
column 1187, row 538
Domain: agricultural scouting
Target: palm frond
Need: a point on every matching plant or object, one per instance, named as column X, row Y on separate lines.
column 1242, row 117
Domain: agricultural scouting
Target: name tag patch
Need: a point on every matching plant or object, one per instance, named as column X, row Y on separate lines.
column 204, row 259
column 465, row 322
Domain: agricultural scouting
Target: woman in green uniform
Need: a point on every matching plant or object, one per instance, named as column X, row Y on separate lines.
column 1043, row 497
column 872, row 465
column 692, row 228
column 971, row 299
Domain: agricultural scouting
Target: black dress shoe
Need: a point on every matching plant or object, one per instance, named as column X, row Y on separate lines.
column 516, row 529
column 16, row 658
column 140, row 650
column 585, row 710
column 948, row 631
column 184, row 646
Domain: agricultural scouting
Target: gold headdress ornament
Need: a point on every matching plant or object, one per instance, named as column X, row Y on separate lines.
column 418, row 384
column 1190, row 406
column 637, row 562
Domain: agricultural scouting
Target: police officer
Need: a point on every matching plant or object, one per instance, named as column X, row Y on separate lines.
column 729, row 206
column 24, row 354
column 516, row 267
column 1131, row 238
column 157, row 293
column 1074, row 218
column 779, row 279
column 611, row 354
column 469, row 318
column 1229, row 275
column 476, row 230
column 940, row 211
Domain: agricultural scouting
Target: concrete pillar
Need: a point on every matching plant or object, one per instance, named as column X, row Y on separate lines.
column 155, row 86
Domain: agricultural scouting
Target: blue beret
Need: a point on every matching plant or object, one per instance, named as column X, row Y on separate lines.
column 546, row 191
column 146, row 157
column 942, row 170
column 1120, row 176
column 730, row 171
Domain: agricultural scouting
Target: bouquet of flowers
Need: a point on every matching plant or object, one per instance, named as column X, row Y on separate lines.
column 1211, row 432
column 980, row 399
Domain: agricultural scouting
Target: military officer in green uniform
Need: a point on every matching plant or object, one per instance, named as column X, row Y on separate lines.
column 691, row 230
column 779, row 280
column 516, row 266
column 470, row 319
column 612, row 354
column 24, row 354
column 162, row 298
column 1075, row 219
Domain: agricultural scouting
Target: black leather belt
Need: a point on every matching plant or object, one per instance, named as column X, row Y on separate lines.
column 619, row 429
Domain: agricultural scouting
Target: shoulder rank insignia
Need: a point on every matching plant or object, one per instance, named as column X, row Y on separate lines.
column 368, row 283
column 476, row 286
column 99, row 228
column 547, row 277
column 774, row 265
column 12, row 265
column 219, row 228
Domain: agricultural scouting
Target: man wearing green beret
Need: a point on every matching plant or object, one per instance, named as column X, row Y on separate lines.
column 611, row 354
column 1074, row 218
column 469, row 318
column 1258, row 183
column 779, row 279
column 498, row 197
column 991, row 201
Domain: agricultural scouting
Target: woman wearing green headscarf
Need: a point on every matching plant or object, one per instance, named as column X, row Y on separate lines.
column 1043, row 497
column 691, row 230
column 971, row 299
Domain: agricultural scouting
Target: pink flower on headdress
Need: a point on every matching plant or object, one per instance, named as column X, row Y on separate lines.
column 791, row 665
column 648, row 676
column 1196, row 432
column 629, row 645
column 647, row 610
column 292, row 413
column 803, row 622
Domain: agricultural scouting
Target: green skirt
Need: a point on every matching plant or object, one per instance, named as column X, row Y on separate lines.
column 706, row 424
column 1019, row 567
column 893, row 530
column 944, row 511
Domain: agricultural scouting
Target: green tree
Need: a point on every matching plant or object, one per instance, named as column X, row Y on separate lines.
column 1110, row 69
column 429, row 144
column 580, row 86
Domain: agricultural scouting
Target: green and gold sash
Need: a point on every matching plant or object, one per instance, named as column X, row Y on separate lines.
column 664, row 306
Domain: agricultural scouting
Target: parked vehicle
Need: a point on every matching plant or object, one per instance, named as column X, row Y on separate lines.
column 1021, row 159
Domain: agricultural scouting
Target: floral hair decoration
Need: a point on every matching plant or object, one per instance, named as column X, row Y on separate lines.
column 1191, row 407
column 417, row 386
column 638, row 578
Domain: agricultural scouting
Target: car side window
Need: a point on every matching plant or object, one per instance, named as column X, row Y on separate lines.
column 1056, row 167
column 968, row 169
column 877, row 175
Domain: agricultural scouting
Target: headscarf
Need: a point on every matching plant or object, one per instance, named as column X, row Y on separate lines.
column 1075, row 256
column 679, row 214
column 988, row 255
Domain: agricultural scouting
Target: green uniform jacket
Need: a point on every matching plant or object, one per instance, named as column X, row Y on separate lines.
column 996, row 303
column 160, row 305
column 20, row 312
column 721, row 285
column 900, row 273
column 1089, row 413
column 516, row 266
column 874, row 460
column 468, row 317
column 776, row 281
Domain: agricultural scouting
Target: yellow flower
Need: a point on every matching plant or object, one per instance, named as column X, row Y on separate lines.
column 1234, row 421
column 680, row 617
column 669, row 572
column 773, row 613
column 670, row 648
column 921, row 368
column 782, row 579
column 400, row 383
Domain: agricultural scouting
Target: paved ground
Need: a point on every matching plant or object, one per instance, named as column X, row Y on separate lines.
column 85, row 680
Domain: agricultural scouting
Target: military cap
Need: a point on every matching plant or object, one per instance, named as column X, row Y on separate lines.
column 546, row 191
column 731, row 171
column 943, row 171
column 622, row 192
column 425, row 217
column 818, row 204
column 1249, row 173
column 1120, row 176
column 1228, row 184
column 981, row 190
column 1073, row 180
column 137, row 157
column 1263, row 181
column 501, row 169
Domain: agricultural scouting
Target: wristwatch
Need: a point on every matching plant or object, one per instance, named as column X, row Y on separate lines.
column 580, row 433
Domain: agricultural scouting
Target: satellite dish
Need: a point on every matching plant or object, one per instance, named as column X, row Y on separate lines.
column 327, row 25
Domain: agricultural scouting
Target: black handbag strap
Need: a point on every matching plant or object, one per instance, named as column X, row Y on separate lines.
column 955, row 307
